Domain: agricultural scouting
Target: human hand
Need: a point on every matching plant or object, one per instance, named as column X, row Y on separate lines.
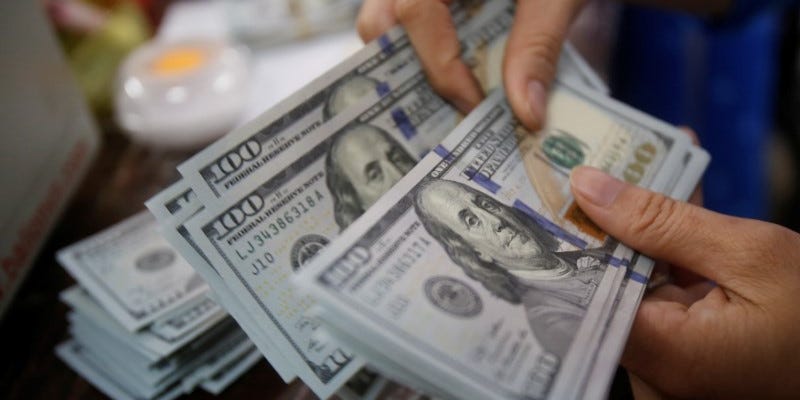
column 531, row 57
column 738, row 338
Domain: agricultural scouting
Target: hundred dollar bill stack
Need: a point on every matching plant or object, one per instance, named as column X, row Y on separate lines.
column 375, row 103
column 476, row 275
column 144, row 324
column 454, row 318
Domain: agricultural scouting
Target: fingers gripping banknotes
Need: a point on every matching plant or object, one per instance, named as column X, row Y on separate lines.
column 173, row 207
column 471, row 270
column 367, row 78
column 380, row 116
column 133, row 272
column 272, row 231
column 369, row 73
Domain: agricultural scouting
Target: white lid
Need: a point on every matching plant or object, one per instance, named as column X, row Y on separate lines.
column 181, row 94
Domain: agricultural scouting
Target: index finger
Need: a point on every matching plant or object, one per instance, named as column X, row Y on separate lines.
column 532, row 54
column 431, row 30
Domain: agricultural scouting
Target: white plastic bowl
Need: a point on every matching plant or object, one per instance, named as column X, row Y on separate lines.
column 181, row 94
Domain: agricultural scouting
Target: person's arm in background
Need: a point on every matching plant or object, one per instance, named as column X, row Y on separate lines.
column 534, row 45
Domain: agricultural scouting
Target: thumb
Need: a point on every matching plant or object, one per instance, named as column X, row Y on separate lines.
column 680, row 233
column 532, row 53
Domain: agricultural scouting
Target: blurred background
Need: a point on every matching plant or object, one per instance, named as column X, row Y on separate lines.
column 735, row 81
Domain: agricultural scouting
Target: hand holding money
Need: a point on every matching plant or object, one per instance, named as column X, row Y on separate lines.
column 739, row 336
column 534, row 46
column 501, row 284
column 441, row 58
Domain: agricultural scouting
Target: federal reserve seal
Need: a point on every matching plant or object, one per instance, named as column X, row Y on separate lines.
column 453, row 296
column 155, row 260
column 305, row 248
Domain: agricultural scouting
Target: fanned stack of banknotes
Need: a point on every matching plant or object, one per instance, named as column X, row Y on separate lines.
column 364, row 223
column 144, row 324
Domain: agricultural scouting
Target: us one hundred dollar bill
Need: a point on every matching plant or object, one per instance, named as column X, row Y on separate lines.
column 476, row 268
column 368, row 76
column 127, row 356
column 245, row 151
column 154, row 342
column 174, row 206
column 134, row 273
column 105, row 356
column 217, row 382
column 403, row 112
column 88, row 366
column 396, row 117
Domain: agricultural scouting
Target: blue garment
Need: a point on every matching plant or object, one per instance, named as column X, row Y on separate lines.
column 741, row 9
column 717, row 76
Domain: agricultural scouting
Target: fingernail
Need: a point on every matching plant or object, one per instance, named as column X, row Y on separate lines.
column 595, row 185
column 537, row 96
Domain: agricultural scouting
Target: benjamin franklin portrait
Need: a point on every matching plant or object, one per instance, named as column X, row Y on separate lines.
column 513, row 257
column 346, row 94
column 362, row 164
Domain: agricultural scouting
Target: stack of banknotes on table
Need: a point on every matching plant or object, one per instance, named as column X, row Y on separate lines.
column 144, row 324
column 364, row 223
